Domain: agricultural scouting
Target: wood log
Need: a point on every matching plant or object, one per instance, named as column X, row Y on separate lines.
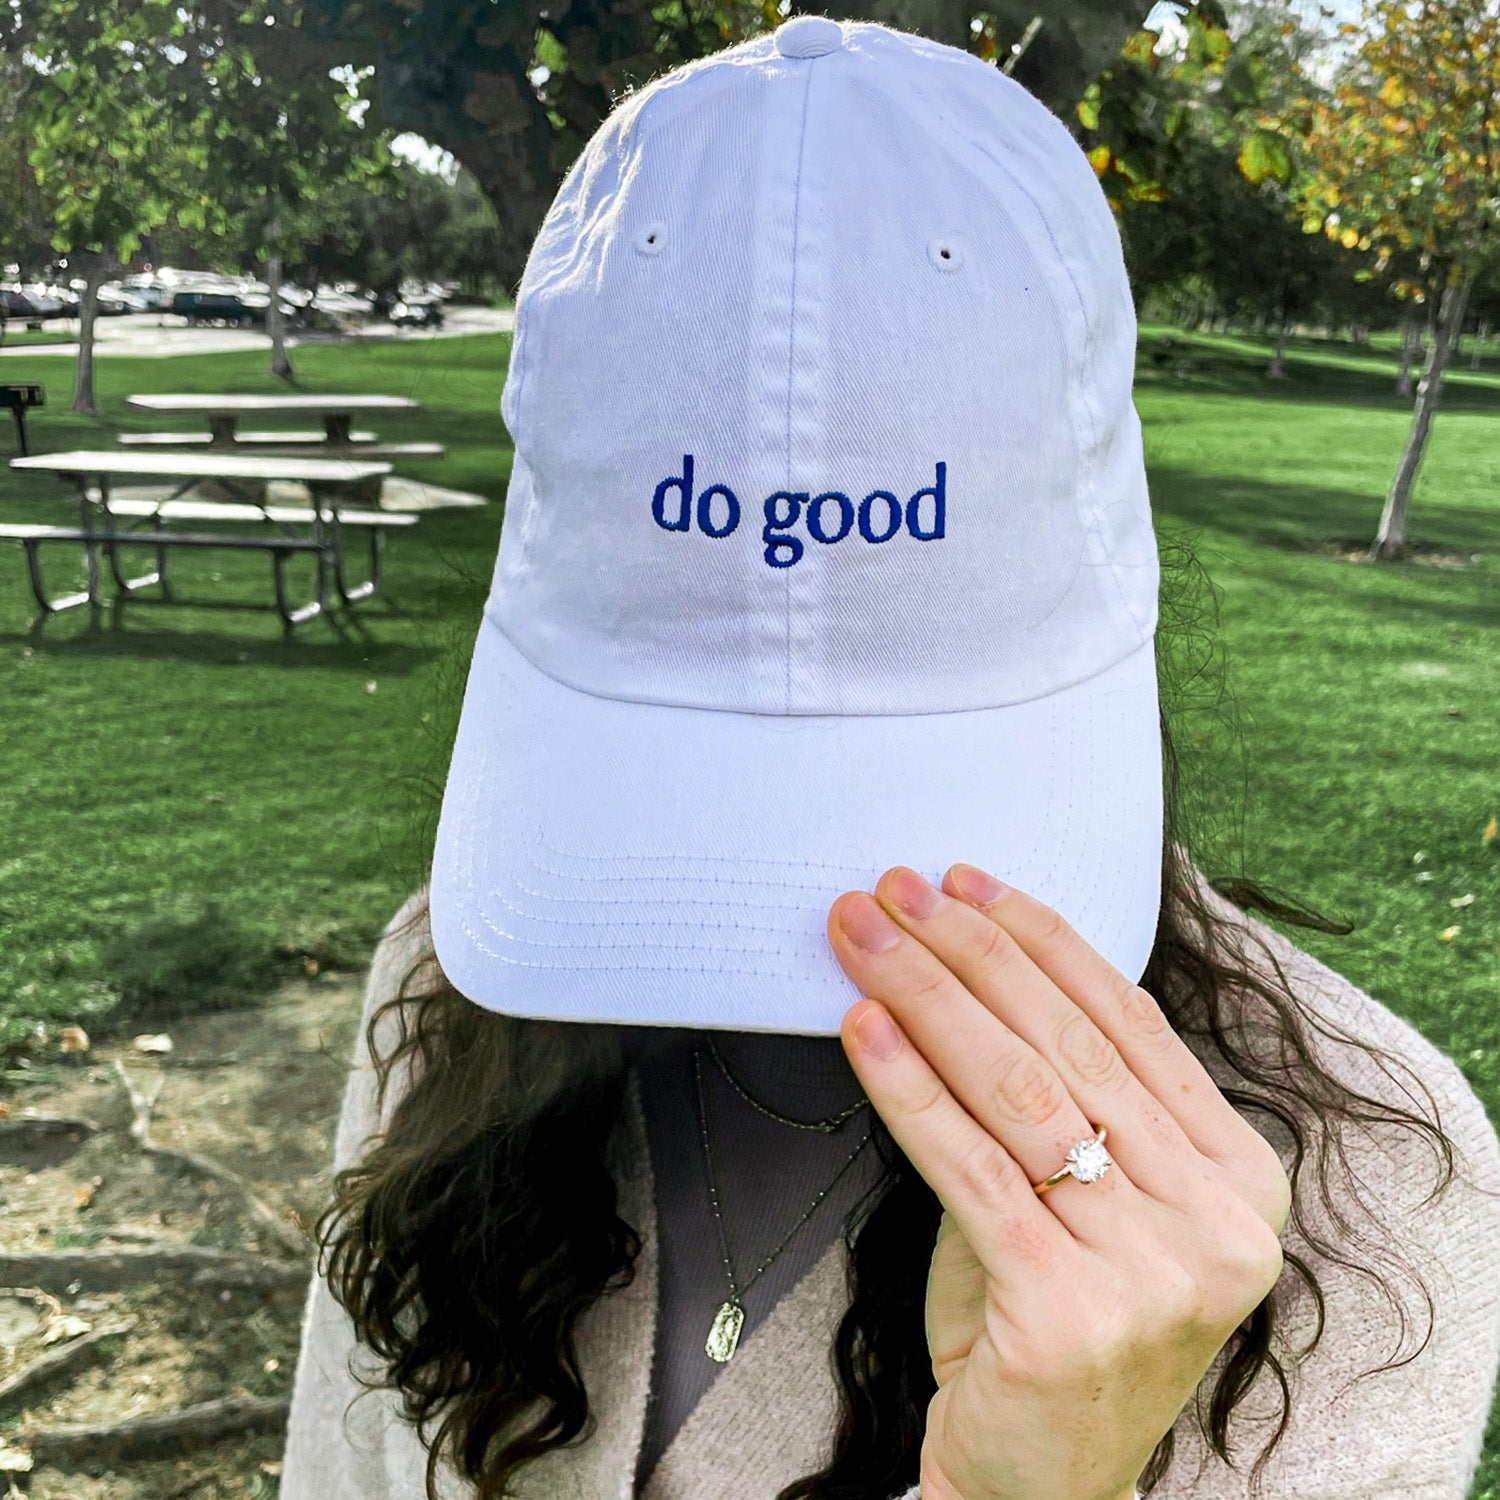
column 105, row 1270
column 158, row 1435
column 61, row 1363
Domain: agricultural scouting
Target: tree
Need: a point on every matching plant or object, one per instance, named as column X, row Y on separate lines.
column 278, row 139
column 1405, row 157
column 1182, row 133
column 144, row 112
column 425, row 227
column 16, row 183
column 108, row 160
column 23, row 236
column 513, row 88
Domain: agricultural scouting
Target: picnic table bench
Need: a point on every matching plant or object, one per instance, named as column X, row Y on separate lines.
column 223, row 414
column 100, row 530
column 242, row 440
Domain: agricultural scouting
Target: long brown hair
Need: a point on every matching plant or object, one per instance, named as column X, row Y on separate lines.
column 478, row 1227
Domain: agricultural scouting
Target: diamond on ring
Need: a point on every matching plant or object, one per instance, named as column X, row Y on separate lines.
column 1088, row 1161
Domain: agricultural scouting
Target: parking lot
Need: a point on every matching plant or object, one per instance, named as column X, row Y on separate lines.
column 162, row 334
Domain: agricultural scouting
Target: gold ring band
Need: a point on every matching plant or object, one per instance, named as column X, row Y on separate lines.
column 1088, row 1161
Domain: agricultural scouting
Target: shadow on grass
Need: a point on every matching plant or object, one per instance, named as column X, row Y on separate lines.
column 1187, row 363
column 1440, row 581
column 354, row 649
column 1301, row 518
column 183, row 964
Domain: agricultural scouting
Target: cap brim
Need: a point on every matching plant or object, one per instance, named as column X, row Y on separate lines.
column 641, row 864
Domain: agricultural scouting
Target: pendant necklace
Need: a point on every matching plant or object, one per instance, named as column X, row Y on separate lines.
column 724, row 1334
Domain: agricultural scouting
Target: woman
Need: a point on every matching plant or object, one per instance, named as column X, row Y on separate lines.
column 688, row 1154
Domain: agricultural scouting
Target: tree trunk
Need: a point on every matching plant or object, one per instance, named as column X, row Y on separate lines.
column 281, row 364
column 1278, row 360
column 96, row 269
column 1408, row 355
column 1390, row 540
column 1480, row 335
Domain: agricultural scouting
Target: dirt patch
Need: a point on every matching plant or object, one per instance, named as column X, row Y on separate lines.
column 257, row 1091
column 1418, row 554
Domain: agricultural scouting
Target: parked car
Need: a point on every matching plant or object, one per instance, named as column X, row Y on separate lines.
column 425, row 313
column 220, row 309
column 53, row 301
column 346, row 306
column 154, row 296
column 14, row 303
column 115, row 300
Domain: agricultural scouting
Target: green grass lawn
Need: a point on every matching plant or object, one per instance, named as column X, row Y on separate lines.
column 249, row 799
column 193, row 771
column 1362, row 744
column 18, row 335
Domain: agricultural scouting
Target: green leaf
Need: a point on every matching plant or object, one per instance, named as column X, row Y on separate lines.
column 1088, row 108
column 1263, row 155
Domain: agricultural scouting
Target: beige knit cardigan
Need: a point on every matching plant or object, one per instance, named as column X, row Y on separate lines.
column 1411, row 1433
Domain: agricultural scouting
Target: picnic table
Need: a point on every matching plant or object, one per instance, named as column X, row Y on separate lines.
column 224, row 413
column 338, row 412
column 106, row 522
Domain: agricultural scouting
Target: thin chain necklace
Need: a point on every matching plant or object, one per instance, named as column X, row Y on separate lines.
column 827, row 1126
column 724, row 1334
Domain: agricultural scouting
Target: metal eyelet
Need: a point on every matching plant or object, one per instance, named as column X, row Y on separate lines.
column 946, row 252
column 651, row 239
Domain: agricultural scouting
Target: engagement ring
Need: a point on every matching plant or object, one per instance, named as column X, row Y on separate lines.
column 1088, row 1161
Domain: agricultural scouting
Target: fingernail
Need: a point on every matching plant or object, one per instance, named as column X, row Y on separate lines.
column 974, row 885
column 866, row 926
column 877, row 1033
column 912, row 894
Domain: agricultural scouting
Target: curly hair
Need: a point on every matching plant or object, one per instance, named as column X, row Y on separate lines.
column 483, row 1220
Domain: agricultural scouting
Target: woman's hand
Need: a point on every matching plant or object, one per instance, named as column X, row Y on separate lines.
column 1067, row 1330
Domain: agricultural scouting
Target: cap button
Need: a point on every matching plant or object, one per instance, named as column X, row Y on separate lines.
column 808, row 36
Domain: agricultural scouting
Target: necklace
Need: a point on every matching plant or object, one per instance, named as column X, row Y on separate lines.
column 827, row 1126
column 724, row 1333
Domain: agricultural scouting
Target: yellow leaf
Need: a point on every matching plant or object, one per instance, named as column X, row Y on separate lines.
column 1099, row 158
column 1449, row 933
column 1490, row 830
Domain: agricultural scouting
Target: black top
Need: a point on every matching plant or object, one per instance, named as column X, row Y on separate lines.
column 767, row 1175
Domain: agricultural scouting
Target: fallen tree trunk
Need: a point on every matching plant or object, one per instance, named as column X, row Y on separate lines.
column 62, row 1363
column 69, row 1271
column 160, row 1435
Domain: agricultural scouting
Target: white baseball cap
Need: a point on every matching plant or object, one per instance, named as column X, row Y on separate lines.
column 827, row 546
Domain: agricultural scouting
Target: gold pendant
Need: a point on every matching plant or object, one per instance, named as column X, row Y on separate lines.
column 725, row 1333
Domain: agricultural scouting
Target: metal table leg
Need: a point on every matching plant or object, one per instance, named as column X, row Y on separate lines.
column 112, row 551
column 47, row 606
column 363, row 590
column 86, row 517
column 315, row 606
column 329, row 530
